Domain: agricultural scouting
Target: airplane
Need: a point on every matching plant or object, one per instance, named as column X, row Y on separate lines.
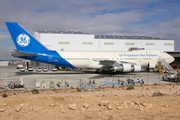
column 109, row 62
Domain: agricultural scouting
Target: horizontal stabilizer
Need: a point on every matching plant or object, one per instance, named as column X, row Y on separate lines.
column 19, row 54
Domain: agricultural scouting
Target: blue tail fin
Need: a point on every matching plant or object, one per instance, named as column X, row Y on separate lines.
column 22, row 39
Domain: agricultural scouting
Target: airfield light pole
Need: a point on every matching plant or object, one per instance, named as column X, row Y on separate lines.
column 147, row 79
column 65, row 83
column 80, row 82
column 34, row 82
column 159, row 79
column 50, row 82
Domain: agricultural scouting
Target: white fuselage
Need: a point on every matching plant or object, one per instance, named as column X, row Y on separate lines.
column 89, row 59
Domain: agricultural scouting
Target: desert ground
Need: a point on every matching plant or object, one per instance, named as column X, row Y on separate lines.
column 156, row 102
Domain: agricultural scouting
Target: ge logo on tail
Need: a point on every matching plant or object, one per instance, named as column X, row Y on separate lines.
column 23, row 40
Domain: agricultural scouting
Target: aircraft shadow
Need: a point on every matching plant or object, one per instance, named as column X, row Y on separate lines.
column 46, row 73
column 97, row 76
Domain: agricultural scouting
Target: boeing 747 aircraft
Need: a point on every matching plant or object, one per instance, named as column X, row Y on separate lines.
column 131, row 61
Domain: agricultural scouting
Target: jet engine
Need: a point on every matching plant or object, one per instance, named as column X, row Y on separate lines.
column 127, row 68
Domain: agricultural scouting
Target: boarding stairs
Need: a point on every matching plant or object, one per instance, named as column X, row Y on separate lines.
column 166, row 65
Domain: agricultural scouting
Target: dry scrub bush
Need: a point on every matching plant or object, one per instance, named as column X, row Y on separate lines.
column 72, row 87
column 78, row 89
column 5, row 95
column 129, row 87
column 155, row 84
column 157, row 94
column 35, row 91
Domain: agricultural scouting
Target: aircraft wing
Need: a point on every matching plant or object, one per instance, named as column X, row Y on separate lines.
column 107, row 63
column 19, row 54
column 110, row 63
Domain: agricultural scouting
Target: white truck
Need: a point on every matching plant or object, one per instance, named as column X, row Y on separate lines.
column 169, row 76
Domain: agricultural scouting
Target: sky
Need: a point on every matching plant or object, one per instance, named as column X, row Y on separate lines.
column 156, row 18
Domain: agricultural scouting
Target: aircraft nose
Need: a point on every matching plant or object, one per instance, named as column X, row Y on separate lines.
column 171, row 59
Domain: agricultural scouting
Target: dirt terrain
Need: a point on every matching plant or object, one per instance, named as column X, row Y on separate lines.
column 161, row 102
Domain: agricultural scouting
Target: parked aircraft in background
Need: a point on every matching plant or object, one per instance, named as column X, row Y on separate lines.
column 131, row 61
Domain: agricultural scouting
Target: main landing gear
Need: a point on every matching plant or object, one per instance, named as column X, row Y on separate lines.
column 104, row 72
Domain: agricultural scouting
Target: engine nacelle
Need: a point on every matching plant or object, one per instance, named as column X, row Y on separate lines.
column 127, row 68
column 137, row 68
column 119, row 68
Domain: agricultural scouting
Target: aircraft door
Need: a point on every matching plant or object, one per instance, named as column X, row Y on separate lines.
column 49, row 58
column 152, row 64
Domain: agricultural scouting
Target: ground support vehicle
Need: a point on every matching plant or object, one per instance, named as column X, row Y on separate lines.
column 170, row 76
column 54, row 69
column 62, row 84
column 45, row 69
column 30, row 69
column 38, row 69
column 112, row 83
column 129, row 82
column 86, row 85
column 89, row 84
column 19, row 66
column 138, row 81
column 22, row 70
column 12, row 85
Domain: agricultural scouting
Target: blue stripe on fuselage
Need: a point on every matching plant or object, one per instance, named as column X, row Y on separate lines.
column 50, row 57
